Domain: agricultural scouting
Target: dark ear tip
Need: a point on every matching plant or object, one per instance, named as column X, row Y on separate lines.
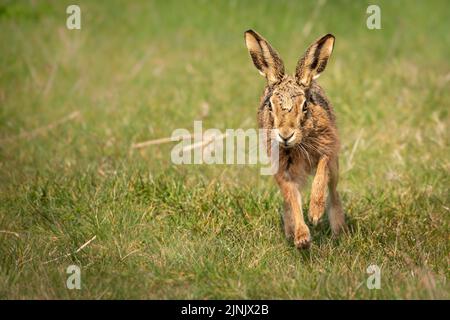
column 327, row 37
column 251, row 32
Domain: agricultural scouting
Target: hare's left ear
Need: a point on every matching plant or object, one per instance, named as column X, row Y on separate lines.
column 314, row 61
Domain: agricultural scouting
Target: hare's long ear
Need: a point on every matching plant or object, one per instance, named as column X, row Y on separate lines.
column 264, row 57
column 314, row 61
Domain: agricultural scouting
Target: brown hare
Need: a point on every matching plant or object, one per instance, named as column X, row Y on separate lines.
column 300, row 118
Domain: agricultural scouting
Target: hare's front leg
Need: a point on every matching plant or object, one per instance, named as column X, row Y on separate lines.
column 294, row 225
column 318, row 191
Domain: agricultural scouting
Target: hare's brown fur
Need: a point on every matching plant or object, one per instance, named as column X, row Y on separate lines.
column 302, row 120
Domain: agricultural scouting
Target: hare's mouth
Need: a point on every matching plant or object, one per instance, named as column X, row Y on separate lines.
column 286, row 145
column 286, row 141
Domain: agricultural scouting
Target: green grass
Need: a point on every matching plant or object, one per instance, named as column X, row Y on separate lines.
column 137, row 71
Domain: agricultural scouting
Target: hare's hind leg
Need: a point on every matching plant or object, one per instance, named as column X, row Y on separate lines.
column 335, row 213
column 288, row 221
column 294, row 223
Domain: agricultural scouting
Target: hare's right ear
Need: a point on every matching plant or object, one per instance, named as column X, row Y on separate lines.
column 264, row 57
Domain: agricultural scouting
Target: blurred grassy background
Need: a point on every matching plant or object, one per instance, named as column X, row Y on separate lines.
column 137, row 70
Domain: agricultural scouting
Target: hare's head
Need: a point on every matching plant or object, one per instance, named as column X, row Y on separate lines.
column 287, row 96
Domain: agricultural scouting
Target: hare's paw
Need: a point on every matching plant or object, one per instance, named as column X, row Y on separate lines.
column 316, row 210
column 302, row 238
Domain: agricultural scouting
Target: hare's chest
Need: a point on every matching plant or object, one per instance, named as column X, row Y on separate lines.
column 295, row 168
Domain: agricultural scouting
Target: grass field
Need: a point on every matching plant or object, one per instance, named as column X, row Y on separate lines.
column 72, row 102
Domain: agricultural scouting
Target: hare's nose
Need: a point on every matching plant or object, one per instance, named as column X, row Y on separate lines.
column 286, row 138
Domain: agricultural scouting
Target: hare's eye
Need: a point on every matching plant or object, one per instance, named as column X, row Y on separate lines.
column 304, row 108
column 269, row 105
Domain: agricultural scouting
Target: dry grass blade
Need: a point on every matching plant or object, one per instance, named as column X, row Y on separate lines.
column 41, row 130
column 10, row 232
column 76, row 251
column 352, row 153
column 203, row 143
column 158, row 141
